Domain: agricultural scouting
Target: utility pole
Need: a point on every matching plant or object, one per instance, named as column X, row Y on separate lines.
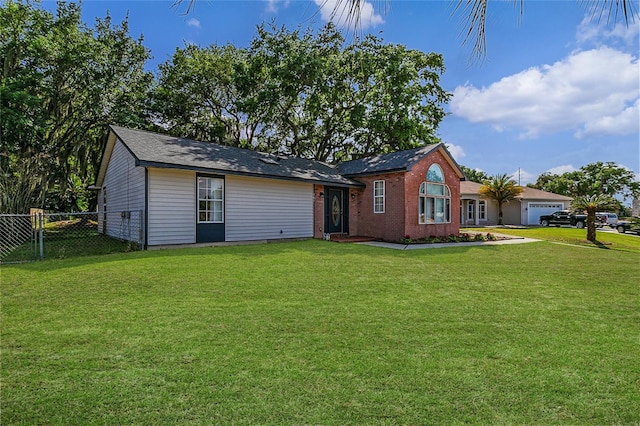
column 519, row 177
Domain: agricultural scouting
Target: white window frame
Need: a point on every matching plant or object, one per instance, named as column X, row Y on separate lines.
column 482, row 210
column 471, row 206
column 378, row 196
column 212, row 197
column 434, row 199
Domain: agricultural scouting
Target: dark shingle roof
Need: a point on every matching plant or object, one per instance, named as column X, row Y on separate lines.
column 395, row 161
column 156, row 150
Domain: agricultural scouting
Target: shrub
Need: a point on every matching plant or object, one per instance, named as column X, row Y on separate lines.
column 465, row 238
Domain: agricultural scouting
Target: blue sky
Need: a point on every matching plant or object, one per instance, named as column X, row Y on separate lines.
column 555, row 92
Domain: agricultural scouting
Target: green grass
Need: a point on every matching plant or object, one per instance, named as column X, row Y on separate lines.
column 605, row 240
column 316, row 332
column 70, row 238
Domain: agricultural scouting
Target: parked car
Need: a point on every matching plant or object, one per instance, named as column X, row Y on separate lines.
column 564, row 217
column 607, row 218
column 629, row 226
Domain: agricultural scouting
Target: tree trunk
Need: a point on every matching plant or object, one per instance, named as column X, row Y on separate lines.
column 500, row 214
column 591, row 225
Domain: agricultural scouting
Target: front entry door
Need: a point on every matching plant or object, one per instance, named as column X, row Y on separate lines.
column 210, row 219
column 336, row 211
column 471, row 212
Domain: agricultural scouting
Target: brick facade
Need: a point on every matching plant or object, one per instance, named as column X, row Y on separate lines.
column 318, row 211
column 389, row 224
column 413, row 179
column 400, row 217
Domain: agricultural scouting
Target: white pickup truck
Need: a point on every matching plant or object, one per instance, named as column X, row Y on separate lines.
column 609, row 219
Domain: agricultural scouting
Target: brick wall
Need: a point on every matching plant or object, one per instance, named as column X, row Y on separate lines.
column 318, row 211
column 387, row 225
column 413, row 179
column 401, row 204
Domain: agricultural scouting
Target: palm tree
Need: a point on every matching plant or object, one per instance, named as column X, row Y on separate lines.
column 502, row 189
column 474, row 15
column 591, row 204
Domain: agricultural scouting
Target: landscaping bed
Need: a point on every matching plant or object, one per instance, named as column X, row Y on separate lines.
column 463, row 237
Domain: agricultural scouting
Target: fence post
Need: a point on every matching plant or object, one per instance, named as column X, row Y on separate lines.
column 40, row 236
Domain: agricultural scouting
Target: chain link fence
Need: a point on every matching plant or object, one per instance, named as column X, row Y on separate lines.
column 39, row 236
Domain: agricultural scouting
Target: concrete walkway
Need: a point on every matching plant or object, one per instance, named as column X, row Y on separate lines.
column 510, row 239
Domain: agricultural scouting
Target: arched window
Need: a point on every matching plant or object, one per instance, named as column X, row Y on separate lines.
column 434, row 202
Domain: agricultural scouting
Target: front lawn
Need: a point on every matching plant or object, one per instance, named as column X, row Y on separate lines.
column 606, row 240
column 317, row 332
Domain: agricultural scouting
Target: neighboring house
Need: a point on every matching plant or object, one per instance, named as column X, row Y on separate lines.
column 526, row 209
column 197, row 192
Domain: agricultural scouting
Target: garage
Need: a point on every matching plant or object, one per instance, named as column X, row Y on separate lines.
column 535, row 210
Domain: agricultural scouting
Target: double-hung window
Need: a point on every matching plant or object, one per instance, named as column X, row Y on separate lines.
column 210, row 200
column 378, row 196
column 434, row 198
column 482, row 210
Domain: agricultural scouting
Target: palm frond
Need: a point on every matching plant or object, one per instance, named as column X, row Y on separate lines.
column 611, row 10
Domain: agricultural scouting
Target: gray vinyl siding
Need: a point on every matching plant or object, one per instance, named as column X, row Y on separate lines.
column 261, row 208
column 172, row 207
column 124, row 185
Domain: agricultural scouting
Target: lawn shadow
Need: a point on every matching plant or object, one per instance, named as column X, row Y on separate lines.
column 602, row 245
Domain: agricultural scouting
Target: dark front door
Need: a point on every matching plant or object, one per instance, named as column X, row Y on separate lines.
column 210, row 220
column 336, row 211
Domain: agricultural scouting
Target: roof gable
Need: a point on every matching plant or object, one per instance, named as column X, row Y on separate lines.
column 395, row 161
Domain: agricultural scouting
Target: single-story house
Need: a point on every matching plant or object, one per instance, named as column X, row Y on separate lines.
column 197, row 192
column 526, row 209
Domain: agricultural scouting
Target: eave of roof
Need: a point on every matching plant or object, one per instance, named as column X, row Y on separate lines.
column 400, row 161
column 471, row 188
column 162, row 151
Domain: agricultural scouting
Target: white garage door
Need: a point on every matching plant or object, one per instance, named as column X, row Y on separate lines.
column 535, row 210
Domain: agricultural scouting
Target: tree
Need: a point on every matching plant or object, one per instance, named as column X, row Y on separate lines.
column 303, row 93
column 594, row 178
column 608, row 179
column 197, row 96
column 62, row 84
column 502, row 189
column 591, row 204
column 564, row 184
column 474, row 175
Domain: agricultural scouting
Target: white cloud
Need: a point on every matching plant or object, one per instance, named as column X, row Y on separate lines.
column 624, row 123
column 558, row 170
column 523, row 177
column 274, row 5
column 589, row 91
column 193, row 22
column 456, row 151
column 338, row 12
column 591, row 32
